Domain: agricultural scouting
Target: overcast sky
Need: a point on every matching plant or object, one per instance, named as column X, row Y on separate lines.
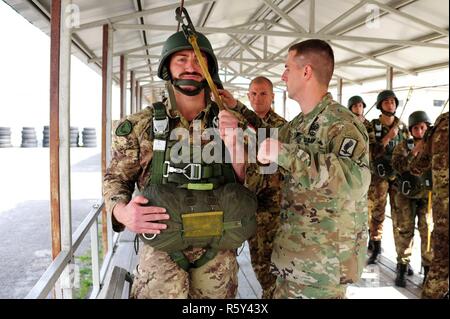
column 25, row 79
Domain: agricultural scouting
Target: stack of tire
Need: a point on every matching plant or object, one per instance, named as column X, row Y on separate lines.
column 89, row 137
column 29, row 137
column 74, row 136
column 5, row 137
column 46, row 136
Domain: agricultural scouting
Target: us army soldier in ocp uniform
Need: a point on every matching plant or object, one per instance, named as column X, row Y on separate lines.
column 324, row 159
column 267, row 189
column 356, row 105
column 133, row 148
column 435, row 156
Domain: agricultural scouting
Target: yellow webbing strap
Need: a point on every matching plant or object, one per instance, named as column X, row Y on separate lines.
column 429, row 222
column 193, row 41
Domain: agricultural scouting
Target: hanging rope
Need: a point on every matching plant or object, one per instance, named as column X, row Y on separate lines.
column 181, row 8
column 370, row 109
column 406, row 102
column 443, row 107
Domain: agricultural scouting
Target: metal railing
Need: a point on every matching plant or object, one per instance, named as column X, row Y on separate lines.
column 50, row 277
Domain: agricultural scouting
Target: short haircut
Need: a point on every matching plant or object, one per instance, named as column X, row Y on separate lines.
column 261, row 79
column 319, row 55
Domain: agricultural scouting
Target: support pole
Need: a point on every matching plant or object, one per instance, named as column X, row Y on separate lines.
column 138, row 95
column 123, row 86
column 133, row 92
column 60, row 140
column 389, row 78
column 106, row 124
column 339, row 90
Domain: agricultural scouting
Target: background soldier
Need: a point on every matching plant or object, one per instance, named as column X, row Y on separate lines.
column 356, row 105
column 323, row 157
column 434, row 155
column 134, row 150
column 389, row 132
column 267, row 189
column 411, row 199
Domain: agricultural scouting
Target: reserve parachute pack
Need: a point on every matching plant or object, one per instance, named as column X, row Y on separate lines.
column 207, row 207
column 381, row 165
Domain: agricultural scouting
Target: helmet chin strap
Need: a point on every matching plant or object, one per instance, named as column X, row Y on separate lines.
column 387, row 113
column 199, row 86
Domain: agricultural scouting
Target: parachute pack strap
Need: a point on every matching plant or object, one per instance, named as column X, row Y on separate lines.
column 208, row 255
column 181, row 260
column 428, row 221
column 407, row 100
column 161, row 133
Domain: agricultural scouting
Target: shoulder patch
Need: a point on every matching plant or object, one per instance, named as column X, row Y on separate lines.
column 347, row 147
column 124, row 128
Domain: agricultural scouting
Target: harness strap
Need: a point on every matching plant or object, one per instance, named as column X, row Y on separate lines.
column 181, row 260
column 161, row 132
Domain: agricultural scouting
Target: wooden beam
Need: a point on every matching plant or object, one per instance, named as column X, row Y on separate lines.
column 54, row 127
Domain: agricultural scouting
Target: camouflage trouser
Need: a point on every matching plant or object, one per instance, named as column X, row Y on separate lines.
column 285, row 289
column 158, row 276
column 378, row 191
column 404, row 221
column 436, row 284
column 261, row 250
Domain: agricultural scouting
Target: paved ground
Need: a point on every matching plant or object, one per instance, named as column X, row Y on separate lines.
column 25, row 250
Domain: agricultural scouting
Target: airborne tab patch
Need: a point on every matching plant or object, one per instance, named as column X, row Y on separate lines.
column 124, row 128
column 347, row 147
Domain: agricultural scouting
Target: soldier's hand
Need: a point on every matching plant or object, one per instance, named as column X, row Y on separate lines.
column 228, row 99
column 418, row 148
column 141, row 219
column 268, row 151
column 390, row 135
column 227, row 127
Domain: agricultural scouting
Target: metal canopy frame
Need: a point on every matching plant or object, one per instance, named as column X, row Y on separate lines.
column 241, row 56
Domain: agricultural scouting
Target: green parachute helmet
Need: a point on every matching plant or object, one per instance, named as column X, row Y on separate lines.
column 354, row 100
column 418, row 117
column 178, row 42
column 383, row 95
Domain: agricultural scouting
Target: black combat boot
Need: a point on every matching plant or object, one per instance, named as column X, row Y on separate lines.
column 370, row 245
column 376, row 250
column 400, row 280
column 410, row 271
column 426, row 269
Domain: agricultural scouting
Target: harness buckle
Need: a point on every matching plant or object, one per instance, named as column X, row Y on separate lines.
column 195, row 171
column 191, row 171
column 406, row 187
column 160, row 127
column 381, row 171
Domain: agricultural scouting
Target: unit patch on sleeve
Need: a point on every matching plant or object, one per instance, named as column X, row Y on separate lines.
column 347, row 147
column 124, row 128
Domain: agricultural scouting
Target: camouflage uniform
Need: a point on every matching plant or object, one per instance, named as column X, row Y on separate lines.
column 407, row 210
column 157, row 275
column 380, row 187
column 267, row 189
column 435, row 156
column 320, row 246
